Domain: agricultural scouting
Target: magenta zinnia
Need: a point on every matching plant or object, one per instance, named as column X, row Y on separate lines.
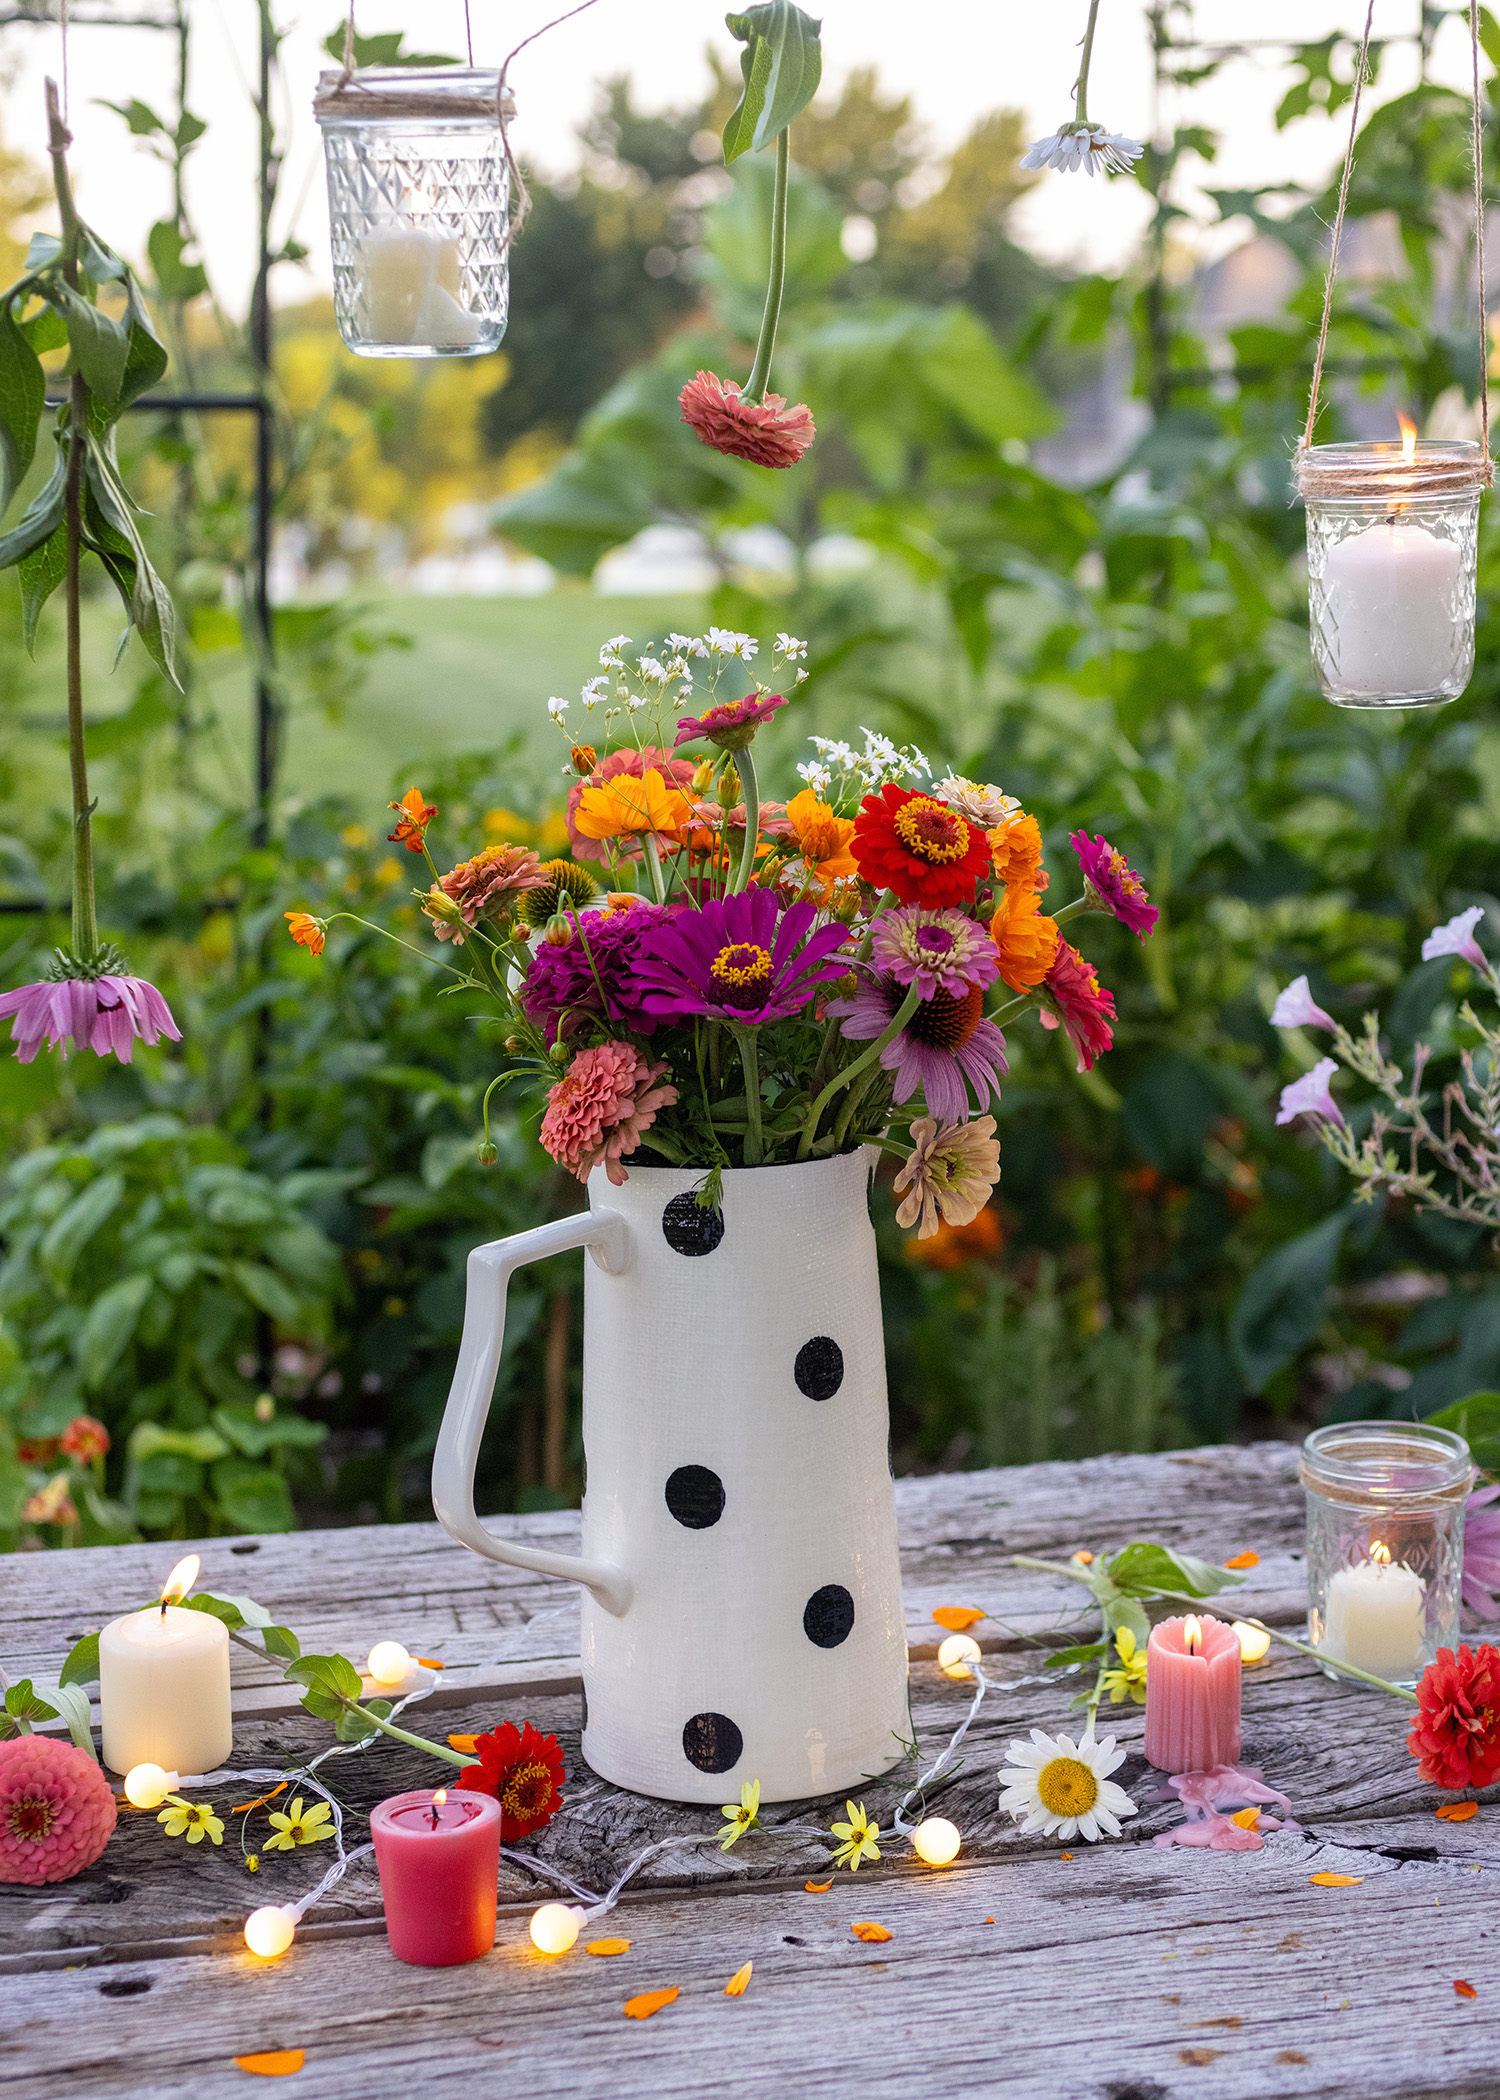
column 594, row 974
column 732, row 723
column 1112, row 885
column 934, row 950
column 102, row 1014
column 767, row 433
column 1074, row 999
column 600, row 1107
column 946, row 1042
column 737, row 960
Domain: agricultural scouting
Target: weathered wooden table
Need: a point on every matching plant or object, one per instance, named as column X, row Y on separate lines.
column 1109, row 1972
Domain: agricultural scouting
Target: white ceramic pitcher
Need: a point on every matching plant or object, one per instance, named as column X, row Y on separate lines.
column 742, row 1613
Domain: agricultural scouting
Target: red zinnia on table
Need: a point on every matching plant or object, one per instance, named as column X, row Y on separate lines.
column 919, row 848
column 1456, row 1736
column 523, row 1769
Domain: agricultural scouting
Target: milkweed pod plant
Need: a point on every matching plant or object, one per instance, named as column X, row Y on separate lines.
column 713, row 979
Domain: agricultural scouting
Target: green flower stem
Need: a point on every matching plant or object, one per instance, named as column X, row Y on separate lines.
column 415, row 1742
column 1198, row 1604
column 857, row 1094
column 1081, row 86
column 463, row 976
column 752, row 811
column 1070, row 911
column 653, row 868
column 755, row 385
column 862, row 1063
column 750, row 1066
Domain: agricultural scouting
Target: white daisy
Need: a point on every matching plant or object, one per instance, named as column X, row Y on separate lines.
column 787, row 645
column 557, row 709
column 982, row 805
column 1063, row 1788
column 1086, row 146
column 818, row 778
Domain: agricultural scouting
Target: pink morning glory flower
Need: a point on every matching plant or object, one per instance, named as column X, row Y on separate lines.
column 1456, row 938
column 1296, row 1008
column 1309, row 1095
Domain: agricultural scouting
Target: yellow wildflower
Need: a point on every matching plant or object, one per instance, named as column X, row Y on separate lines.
column 295, row 1828
column 196, row 1819
column 1128, row 1681
column 741, row 1816
column 857, row 1838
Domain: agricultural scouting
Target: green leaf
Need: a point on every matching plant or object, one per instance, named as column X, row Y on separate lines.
column 46, row 330
column 100, row 345
column 22, row 1704
column 782, row 64
column 355, row 1726
column 73, row 1705
column 268, row 1292
column 41, row 519
column 41, row 571
column 1118, row 1609
column 221, row 1608
column 382, row 50
column 255, row 1437
column 23, row 401
column 1146, row 1569
column 107, row 1331
column 44, row 250
column 1065, row 1658
column 82, row 1665
column 1280, row 1309
column 175, row 279
column 146, row 357
column 141, row 118
column 330, row 1680
column 253, row 1497
column 111, row 532
column 281, row 1642
column 1477, row 1420
column 201, row 1445
column 73, row 1228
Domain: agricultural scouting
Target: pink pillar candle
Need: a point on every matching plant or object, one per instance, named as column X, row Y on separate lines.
column 439, row 1861
column 1192, row 1696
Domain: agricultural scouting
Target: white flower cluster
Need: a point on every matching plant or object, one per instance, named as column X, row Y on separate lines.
column 723, row 641
column 842, row 774
column 1086, row 146
column 558, row 709
column 662, row 683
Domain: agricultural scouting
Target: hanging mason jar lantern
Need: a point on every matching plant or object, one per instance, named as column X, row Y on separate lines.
column 1392, row 547
column 419, row 208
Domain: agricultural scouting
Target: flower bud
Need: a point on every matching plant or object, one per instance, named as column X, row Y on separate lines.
column 584, row 758
column 439, row 905
column 703, row 773
column 729, row 786
column 513, row 1045
column 558, row 1053
column 520, row 933
column 265, row 1408
column 558, row 932
column 843, row 905
column 487, row 1154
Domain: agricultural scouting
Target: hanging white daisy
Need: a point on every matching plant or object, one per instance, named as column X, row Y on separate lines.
column 1087, row 146
column 1063, row 1788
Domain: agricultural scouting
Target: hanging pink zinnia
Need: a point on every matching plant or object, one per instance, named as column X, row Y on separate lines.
column 1076, row 1000
column 103, row 1014
column 1112, row 885
column 767, row 433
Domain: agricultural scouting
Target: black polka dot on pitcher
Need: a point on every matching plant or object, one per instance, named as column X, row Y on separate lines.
column 688, row 1228
column 828, row 1616
column 819, row 1369
column 712, row 1743
column 695, row 1496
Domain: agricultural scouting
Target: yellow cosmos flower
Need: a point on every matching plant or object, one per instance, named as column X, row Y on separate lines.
column 195, row 1819
column 1129, row 1680
column 741, row 1816
column 857, row 1838
column 295, row 1828
column 626, row 805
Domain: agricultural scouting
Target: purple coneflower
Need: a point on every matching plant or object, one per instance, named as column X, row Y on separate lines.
column 733, row 961
column 1481, row 1577
column 938, row 951
column 102, row 1014
column 946, row 1041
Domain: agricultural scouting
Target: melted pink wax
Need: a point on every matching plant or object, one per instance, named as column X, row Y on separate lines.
column 1208, row 1799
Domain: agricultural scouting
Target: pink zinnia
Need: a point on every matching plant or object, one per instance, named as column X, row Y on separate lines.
column 1112, row 885
column 102, row 1014
column 57, row 1810
column 767, row 433
column 599, row 1109
column 1076, row 1000
column 732, row 723
column 677, row 773
column 482, row 886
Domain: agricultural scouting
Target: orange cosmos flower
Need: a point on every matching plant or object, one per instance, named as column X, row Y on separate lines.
column 1026, row 940
column 1016, row 849
column 625, row 805
column 823, row 837
column 413, row 816
column 306, row 931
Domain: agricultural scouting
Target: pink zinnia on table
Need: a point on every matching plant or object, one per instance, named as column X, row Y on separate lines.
column 1456, row 938
column 938, row 951
column 1309, row 1095
column 484, row 885
column 102, row 1014
column 677, row 773
column 57, row 1810
column 949, row 1175
column 1075, row 1000
column 946, row 1042
column 732, row 723
column 1112, row 885
column 1296, row 1008
column 599, row 1109
column 1481, row 1577
column 767, row 433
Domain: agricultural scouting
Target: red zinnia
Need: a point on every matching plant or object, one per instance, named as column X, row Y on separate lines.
column 767, row 433
column 1456, row 1735
column 523, row 1769
column 919, row 848
column 1074, row 999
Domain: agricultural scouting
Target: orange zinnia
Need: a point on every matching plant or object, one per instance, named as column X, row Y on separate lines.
column 1027, row 941
column 823, row 836
column 1016, row 849
column 306, row 931
column 413, row 816
column 627, row 804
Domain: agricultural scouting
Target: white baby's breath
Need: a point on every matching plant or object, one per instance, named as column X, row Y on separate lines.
column 818, row 778
column 787, row 645
column 558, row 709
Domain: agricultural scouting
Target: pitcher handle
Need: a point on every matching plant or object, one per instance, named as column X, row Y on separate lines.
column 605, row 1234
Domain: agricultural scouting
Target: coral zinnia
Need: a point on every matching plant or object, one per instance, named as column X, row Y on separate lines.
column 732, row 723
column 767, row 433
column 918, row 847
column 1025, row 940
column 523, row 1769
column 594, row 973
column 1456, row 1736
column 1016, row 851
column 733, row 960
column 1112, row 885
column 679, row 771
column 413, row 816
column 86, row 1439
column 484, row 885
column 945, row 1042
column 102, row 1014
column 1076, row 1000
column 57, row 1810
column 601, row 1107
column 306, row 931
column 949, row 1174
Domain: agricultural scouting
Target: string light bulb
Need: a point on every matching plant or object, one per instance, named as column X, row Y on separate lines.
column 388, row 1663
column 936, row 1841
column 957, row 1653
column 555, row 1927
column 147, row 1786
column 1255, row 1642
column 270, row 1931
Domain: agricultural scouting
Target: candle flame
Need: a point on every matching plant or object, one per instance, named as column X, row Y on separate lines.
column 1380, row 1554
column 1408, row 438
column 1192, row 1634
column 181, row 1580
column 440, row 1797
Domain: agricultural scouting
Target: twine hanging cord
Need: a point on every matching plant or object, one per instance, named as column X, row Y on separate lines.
column 1331, row 471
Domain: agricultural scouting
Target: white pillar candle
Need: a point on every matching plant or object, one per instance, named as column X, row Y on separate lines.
column 413, row 288
column 1376, row 1617
column 164, row 1690
column 1387, row 611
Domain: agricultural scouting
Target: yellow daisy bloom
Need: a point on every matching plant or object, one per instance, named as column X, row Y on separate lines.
column 857, row 1838
column 1129, row 1680
column 195, row 1819
column 295, row 1828
column 742, row 1815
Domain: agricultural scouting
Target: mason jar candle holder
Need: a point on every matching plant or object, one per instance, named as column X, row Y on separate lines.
column 1385, row 1543
column 1392, row 548
column 418, row 209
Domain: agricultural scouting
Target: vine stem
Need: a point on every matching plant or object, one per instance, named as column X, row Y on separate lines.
column 755, row 385
column 402, row 1735
column 750, row 1067
column 861, row 1063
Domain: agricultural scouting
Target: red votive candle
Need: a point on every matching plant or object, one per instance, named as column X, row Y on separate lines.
column 1192, row 1695
column 439, row 1861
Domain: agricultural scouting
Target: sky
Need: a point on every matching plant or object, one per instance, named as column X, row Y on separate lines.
column 970, row 57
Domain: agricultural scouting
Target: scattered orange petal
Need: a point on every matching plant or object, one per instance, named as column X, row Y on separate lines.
column 1335, row 1881
column 1465, row 1990
column 1199, row 2056
column 609, row 1947
column 648, row 2003
column 1067, row 1855
column 1244, row 1560
column 868, row 1930
column 989, row 1921
column 273, row 2063
column 739, row 1981
column 466, row 1743
column 429, row 1662
column 1083, row 1557
column 242, row 1807
column 1456, row 1811
column 1247, row 1818
column 958, row 1618
column 817, row 1888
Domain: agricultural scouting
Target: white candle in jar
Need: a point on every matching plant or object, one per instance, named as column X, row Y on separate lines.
column 164, row 1685
column 412, row 284
column 1376, row 1617
column 1387, row 610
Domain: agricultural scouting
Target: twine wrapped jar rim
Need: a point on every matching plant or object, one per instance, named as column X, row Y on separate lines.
column 1378, row 470
column 392, row 93
column 1399, row 1468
